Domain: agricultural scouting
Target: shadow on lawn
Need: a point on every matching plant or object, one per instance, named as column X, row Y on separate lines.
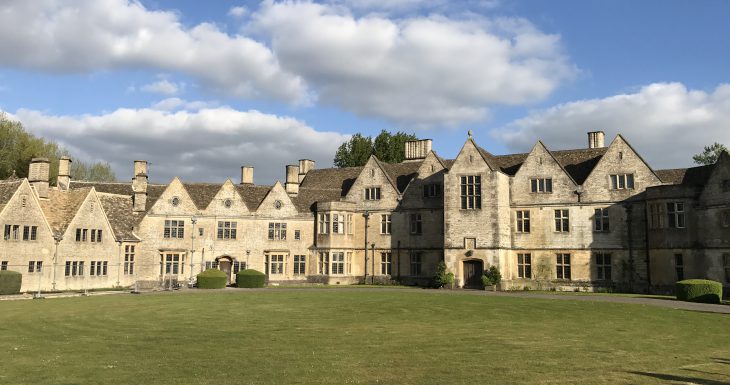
column 721, row 360
column 683, row 379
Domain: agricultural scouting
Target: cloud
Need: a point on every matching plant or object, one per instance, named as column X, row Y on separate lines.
column 171, row 104
column 82, row 36
column 163, row 86
column 237, row 12
column 419, row 70
column 206, row 145
column 666, row 123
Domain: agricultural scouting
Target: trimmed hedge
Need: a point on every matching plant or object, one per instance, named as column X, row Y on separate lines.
column 212, row 279
column 10, row 282
column 699, row 290
column 250, row 278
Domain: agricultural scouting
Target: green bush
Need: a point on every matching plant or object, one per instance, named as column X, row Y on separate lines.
column 10, row 282
column 492, row 276
column 212, row 279
column 699, row 290
column 250, row 278
column 443, row 278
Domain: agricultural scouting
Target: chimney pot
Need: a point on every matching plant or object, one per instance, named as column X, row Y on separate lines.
column 417, row 149
column 292, row 179
column 596, row 139
column 246, row 175
column 38, row 176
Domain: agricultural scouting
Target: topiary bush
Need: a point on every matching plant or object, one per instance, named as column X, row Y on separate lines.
column 250, row 278
column 699, row 290
column 212, row 279
column 492, row 277
column 10, row 282
column 443, row 277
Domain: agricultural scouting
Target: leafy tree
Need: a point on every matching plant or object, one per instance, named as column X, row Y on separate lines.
column 18, row 147
column 710, row 155
column 386, row 146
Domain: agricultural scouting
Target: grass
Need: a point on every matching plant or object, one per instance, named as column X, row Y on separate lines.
column 359, row 337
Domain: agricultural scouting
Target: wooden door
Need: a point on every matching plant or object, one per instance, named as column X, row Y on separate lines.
column 225, row 266
column 473, row 271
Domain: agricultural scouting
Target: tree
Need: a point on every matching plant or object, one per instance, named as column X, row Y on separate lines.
column 710, row 155
column 18, row 147
column 386, row 146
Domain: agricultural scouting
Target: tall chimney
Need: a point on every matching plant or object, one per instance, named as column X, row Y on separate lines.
column 139, row 186
column 38, row 176
column 417, row 149
column 596, row 139
column 292, row 179
column 246, row 175
column 63, row 183
column 305, row 166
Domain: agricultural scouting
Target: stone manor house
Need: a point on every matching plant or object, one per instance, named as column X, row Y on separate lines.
column 596, row 217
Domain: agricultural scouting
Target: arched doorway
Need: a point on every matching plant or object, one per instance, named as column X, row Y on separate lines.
column 224, row 265
column 473, row 270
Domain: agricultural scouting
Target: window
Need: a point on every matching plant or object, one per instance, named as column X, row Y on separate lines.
column 541, row 185
column 84, row 235
column 12, row 232
column 98, row 268
column 30, row 233
column 297, row 235
column 227, row 230
column 471, row 192
column 35, row 266
column 26, row 233
column 324, row 263
column 128, row 259
column 562, row 221
column 201, row 231
column 725, row 263
column 562, row 267
column 74, row 268
column 416, row 224
column 675, row 215
column 96, row 236
column 277, row 231
column 656, row 215
column 523, row 221
column 385, row 263
column 324, row 223
column 300, row 264
column 238, row 266
column 679, row 266
column 372, row 194
column 211, row 265
column 33, row 233
column 275, row 264
column 338, row 223
column 524, row 265
column 349, row 224
column 3, row 265
column 338, row 263
column 600, row 220
column 385, row 223
column 174, row 229
column 622, row 181
column 603, row 266
column 432, row 190
column 416, row 263
column 172, row 263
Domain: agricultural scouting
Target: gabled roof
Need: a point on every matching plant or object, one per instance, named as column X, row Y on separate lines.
column 340, row 179
column 693, row 176
column 118, row 209
column 202, row 193
column 154, row 191
column 61, row 207
column 578, row 162
column 488, row 157
column 252, row 195
column 7, row 189
column 401, row 173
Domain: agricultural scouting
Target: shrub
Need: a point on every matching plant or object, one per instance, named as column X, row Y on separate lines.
column 699, row 290
column 443, row 278
column 250, row 278
column 10, row 282
column 212, row 279
column 492, row 276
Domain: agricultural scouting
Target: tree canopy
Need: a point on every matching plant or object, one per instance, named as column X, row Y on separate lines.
column 18, row 147
column 386, row 146
column 710, row 154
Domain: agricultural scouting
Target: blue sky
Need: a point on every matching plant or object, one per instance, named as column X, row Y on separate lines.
column 201, row 88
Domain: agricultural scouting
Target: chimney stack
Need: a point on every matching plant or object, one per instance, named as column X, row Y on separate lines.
column 292, row 179
column 305, row 166
column 139, row 186
column 246, row 175
column 417, row 149
column 38, row 176
column 63, row 183
column 596, row 139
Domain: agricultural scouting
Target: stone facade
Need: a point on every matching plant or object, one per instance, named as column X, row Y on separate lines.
column 598, row 217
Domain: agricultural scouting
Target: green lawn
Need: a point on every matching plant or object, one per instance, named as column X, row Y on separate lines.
column 356, row 336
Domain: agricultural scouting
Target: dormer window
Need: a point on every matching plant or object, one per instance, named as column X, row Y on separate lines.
column 622, row 181
column 541, row 185
column 372, row 194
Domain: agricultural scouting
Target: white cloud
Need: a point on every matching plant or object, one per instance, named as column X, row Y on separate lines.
column 237, row 12
column 163, row 86
column 171, row 104
column 419, row 70
column 206, row 145
column 79, row 35
column 665, row 122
